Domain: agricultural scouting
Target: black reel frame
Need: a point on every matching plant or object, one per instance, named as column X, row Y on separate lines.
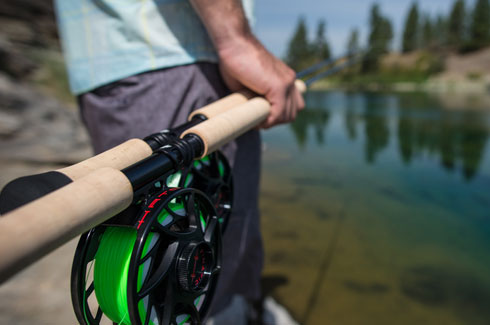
column 213, row 176
column 184, row 262
column 174, row 291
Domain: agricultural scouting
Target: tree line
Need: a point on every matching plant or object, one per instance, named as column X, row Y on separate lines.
column 463, row 29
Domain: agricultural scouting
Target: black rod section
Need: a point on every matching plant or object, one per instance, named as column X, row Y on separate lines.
column 330, row 71
column 159, row 139
column 167, row 159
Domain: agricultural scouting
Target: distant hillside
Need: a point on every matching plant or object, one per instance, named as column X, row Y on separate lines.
column 474, row 65
column 454, row 66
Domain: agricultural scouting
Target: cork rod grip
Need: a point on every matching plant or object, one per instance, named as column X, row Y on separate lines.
column 32, row 231
column 119, row 157
column 223, row 104
column 233, row 122
column 230, row 101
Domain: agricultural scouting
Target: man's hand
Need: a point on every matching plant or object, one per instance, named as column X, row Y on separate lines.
column 245, row 63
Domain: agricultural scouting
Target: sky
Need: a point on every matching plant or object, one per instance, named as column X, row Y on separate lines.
column 277, row 19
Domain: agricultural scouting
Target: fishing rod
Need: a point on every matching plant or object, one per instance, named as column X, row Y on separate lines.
column 316, row 67
column 182, row 222
column 332, row 70
column 28, row 188
column 140, row 287
column 14, row 194
column 171, row 231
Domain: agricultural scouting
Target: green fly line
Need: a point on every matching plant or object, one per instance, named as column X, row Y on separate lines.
column 174, row 179
column 111, row 269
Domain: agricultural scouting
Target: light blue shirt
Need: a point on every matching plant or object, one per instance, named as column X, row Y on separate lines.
column 107, row 40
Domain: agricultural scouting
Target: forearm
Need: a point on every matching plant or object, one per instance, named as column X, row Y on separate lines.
column 225, row 23
column 244, row 61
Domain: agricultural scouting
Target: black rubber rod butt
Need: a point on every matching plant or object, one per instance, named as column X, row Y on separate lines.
column 37, row 228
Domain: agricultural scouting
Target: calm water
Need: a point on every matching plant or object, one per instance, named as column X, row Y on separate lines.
column 376, row 210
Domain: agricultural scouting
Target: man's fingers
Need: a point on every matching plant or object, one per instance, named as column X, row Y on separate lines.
column 291, row 112
column 300, row 102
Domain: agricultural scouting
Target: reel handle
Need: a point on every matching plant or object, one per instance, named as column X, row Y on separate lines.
column 37, row 228
column 233, row 122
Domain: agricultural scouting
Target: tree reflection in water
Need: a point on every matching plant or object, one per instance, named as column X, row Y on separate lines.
column 423, row 128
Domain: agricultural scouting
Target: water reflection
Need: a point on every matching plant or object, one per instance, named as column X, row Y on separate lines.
column 317, row 118
column 416, row 123
column 374, row 212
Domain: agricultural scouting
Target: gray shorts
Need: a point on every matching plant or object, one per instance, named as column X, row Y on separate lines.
column 137, row 106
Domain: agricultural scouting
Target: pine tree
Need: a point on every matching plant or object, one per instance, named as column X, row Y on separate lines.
column 298, row 52
column 386, row 35
column 410, row 33
column 353, row 43
column 441, row 31
column 480, row 25
column 427, row 33
column 380, row 36
column 321, row 47
column 456, row 24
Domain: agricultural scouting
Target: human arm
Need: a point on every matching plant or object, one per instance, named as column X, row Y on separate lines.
column 244, row 61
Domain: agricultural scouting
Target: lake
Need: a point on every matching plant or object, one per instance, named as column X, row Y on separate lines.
column 376, row 210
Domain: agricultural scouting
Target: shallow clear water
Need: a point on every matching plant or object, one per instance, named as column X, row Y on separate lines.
column 376, row 210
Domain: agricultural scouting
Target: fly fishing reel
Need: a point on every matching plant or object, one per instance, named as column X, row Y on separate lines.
column 160, row 269
column 157, row 262
column 212, row 175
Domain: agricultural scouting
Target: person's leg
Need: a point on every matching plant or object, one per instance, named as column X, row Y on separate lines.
column 139, row 105
column 143, row 104
column 242, row 242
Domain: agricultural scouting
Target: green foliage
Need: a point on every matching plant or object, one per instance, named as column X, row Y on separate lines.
column 380, row 36
column 301, row 53
column 410, row 33
column 432, row 36
column 440, row 31
column 473, row 76
column 480, row 26
column 456, row 25
column 426, row 64
column 353, row 43
column 320, row 46
column 427, row 33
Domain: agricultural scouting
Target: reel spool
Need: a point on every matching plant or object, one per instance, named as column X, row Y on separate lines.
column 161, row 269
column 211, row 175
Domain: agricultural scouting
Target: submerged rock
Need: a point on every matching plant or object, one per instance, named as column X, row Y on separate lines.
column 441, row 287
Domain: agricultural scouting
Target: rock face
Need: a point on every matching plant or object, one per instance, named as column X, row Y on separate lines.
column 37, row 133
column 29, row 22
column 25, row 24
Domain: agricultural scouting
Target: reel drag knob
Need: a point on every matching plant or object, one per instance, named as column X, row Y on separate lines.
column 195, row 266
